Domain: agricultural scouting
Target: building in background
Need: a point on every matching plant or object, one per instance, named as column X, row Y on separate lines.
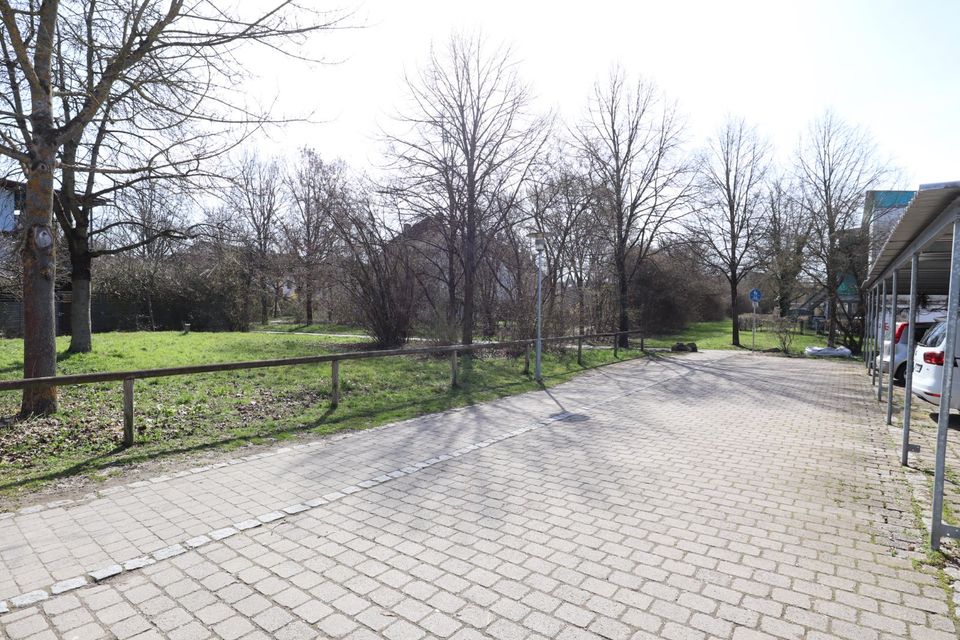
column 882, row 211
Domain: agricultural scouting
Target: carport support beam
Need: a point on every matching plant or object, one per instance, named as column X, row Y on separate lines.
column 937, row 526
column 908, row 374
column 892, row 332
column 867, row 319
column 878, row 370
column 872, row 329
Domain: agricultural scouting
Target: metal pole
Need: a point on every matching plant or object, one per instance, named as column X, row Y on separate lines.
column 128, row 412
column 877, row 311
column 537, row 372
column 873, row 329
column 453, row 369
column 880, row 334
column 335, row 383
column 893, row 326
column 908, row 377
column 753, row 347
column 866, row 329
column 946, row 390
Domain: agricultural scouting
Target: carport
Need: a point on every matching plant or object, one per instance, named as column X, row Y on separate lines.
column 921, row 255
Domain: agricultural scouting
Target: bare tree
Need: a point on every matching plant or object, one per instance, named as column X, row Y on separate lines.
column 632, row 139
column 729, row 219
column 376, row 260
column 466, row 153
column 787, row 235
column 46, row 46
column 560, row 203
column 256, row 198
column 318, row 194
column 149, row 207
column 836, row 163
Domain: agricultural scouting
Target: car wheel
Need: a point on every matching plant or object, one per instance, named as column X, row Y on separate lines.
column 901, row 374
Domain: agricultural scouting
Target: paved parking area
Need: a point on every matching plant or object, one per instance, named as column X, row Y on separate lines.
column 713, row 495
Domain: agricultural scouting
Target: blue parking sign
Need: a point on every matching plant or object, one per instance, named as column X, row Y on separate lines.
column 755, row 295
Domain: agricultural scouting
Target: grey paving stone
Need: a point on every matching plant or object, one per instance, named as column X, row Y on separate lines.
column 29, row 598
column 68, row 585
column 221, row 534
column 138, row 563
column 715, row 494
column 271, row 517
column 197, row 541
column 106, row 572
column 169, row 552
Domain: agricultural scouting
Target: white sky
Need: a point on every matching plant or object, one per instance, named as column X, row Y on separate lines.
column 888, row 65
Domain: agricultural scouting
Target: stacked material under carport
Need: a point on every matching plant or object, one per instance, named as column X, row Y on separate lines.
column 926, row 241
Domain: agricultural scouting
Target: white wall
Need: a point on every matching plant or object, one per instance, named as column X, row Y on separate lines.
column 8, row 221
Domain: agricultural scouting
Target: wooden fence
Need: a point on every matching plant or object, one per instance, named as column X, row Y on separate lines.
column 128, row 377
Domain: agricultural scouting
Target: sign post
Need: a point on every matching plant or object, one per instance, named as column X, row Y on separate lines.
column 755, row 296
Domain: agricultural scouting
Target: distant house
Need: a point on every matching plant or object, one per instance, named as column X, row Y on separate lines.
column 12, row 200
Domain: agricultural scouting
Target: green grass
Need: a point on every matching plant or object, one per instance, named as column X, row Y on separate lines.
column 317, row 327
column 179, row 415
column 718, row 335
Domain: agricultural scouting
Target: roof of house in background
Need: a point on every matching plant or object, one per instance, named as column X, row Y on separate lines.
column 927, row 223
column 19, row 188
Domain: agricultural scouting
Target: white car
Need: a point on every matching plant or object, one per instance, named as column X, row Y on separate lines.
column 902, row 350
column 928, row 367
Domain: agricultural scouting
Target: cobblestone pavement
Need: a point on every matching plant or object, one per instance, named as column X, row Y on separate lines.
column 714, row 495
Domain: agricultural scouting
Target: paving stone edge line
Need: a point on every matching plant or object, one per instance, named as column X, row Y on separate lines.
column 94, row 495
column 103, row 573
column 113, row 569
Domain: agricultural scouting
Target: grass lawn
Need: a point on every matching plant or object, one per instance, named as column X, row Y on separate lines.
column 183, row 414
column 717, row 335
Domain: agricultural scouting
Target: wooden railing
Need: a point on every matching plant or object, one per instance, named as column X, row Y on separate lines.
column 128, row 377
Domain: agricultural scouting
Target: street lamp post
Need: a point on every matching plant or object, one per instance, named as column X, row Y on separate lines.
column 540, row 243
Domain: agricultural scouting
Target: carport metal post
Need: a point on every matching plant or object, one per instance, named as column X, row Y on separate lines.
column 908, row 374
column 875, row 297
column 937, row 528
column 878, row 370
column 867, row 330
column 893, row 325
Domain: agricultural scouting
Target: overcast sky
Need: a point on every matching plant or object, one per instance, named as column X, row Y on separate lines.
column 890, row 66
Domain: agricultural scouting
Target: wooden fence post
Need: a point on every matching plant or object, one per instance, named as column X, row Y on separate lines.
column 128, row 412
column 526, row 359
column 453, row 369
column 616, row 346
column 334, row 383
column 580, row 350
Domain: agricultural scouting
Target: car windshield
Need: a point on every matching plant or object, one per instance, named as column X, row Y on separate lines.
column 935, row 335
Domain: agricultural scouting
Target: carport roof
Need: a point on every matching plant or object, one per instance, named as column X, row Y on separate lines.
column 925, row 228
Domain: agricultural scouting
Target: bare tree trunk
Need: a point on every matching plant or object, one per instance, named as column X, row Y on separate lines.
column 39, row 277
column 734, row 316
column 469, row 278
column 580, row 320
column 831, row 308
column 153, row 321
column 264, row 301
column 623, row 301
column 784, row 303
column 308, row 303
column 81, row 332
